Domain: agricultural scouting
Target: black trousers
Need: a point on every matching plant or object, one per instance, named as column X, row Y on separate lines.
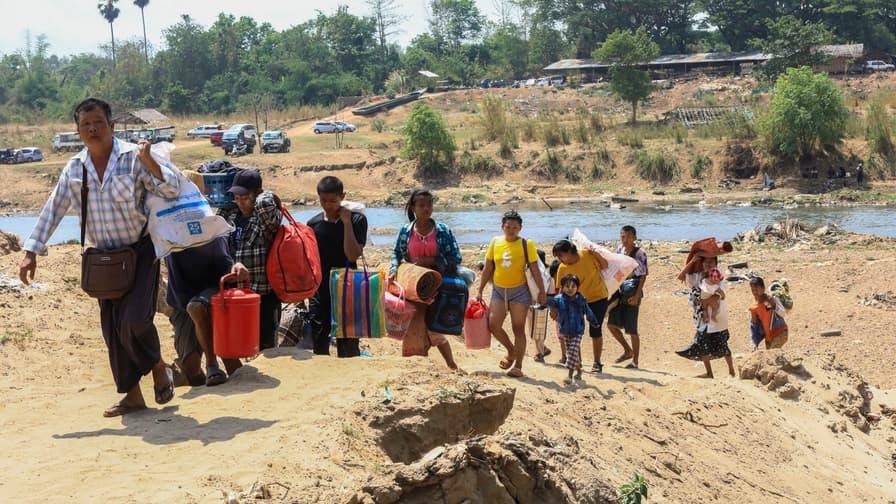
column 269, row 320
column 319, row 313
column 127, row 323
column 322, row 323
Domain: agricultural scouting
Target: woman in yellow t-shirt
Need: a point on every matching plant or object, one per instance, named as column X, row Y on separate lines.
column 587, row 266
column 505, row 268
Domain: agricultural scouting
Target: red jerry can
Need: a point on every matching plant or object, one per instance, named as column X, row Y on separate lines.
column 235, row 321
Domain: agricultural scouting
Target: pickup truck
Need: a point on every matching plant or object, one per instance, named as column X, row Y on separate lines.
column 232, row 136
column 877, row 66
column 67, row 142
column 205, row 130
column 275, row 141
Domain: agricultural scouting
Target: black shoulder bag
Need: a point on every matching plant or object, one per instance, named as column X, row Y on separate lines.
column 105, row 274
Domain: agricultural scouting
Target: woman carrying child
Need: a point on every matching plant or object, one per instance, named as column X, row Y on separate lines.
column 570, row 309
column 711, row 339
column 429, row 244
column 506, row 261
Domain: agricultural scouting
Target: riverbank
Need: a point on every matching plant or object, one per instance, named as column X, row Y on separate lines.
column 310, row 424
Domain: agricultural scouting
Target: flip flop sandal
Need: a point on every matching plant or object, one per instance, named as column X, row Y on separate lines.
column 622, row 358
column 505, row 363
column 120, row 408
column 547, row 351
column 165, row 394
column 631, row 365
column 215, row 376
column 515, row 373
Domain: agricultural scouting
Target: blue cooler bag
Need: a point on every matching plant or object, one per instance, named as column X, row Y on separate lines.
column 446, row 314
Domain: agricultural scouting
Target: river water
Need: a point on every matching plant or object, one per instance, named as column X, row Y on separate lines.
column 679, row 222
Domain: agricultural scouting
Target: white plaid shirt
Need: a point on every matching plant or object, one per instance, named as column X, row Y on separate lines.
column 115, row 207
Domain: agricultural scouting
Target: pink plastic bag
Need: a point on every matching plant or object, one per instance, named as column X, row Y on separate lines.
column 477, row 335
column 399, row 314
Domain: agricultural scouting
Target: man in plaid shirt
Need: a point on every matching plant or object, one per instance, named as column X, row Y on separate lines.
column 255, row 219
column 119, row 175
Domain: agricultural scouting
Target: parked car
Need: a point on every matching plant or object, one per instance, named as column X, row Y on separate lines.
column 324, row 127
column 530, row 82
column 163, row 134
column 205, row 130
column 485, row 83
column 7, row 156
column 275, row 141
column 557, row 80
column 878, row 66
column 67, row 142
column 346, row 127
column 500, row 83
column 217, row 138
column 28, row 155
column 231, row 136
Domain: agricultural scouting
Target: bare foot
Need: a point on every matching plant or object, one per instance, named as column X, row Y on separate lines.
column 706, row 375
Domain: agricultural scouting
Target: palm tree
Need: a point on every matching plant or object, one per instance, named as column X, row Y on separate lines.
column 110, row 12
column 142, row 4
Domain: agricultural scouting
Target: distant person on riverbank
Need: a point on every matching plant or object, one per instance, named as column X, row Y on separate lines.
column 341, row 236
column 506, row 261
column 430, row 244
column 194, row 277
column 117, row 176
column 586, row 266
column 255, row 219
column 860, row 173
column 766, row 318
column 623, row 316
column 711, row 338
column 571, row 310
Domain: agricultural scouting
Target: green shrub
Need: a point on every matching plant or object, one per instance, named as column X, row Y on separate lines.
column 657, row 166
column 428, row 141
column 509, row 142
column 378, row 125
column 573, row 173
column 550, row 133
column 630, row 138
column 528, row 130
column 493, row 115
column 596, row 122
column 806, row 114
column 550, row 166
column 700, row 167
column 581, row 131
column 564, row 135
column 634, row 491
column 601, row 170
column 477, row 164
column 879, row 130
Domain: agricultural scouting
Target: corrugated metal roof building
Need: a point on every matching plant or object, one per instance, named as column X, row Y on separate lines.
column 686, row 62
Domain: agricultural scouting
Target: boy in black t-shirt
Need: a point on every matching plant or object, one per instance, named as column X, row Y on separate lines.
column 338, row 244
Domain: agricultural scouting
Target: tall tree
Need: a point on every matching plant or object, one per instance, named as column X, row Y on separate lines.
column 624, row 51
column 793, row 43
column 142, row 4
column 453, row 22
column 385, row 15
column 110, row 13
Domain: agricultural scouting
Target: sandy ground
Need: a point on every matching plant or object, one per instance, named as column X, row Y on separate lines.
column 288, row 418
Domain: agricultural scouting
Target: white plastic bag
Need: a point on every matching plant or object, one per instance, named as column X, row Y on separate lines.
column 542, row 272
column 619, row 266
column 184, row 221
column 355, row 206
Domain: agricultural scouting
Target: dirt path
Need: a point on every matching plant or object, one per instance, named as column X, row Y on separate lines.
column 290, row 418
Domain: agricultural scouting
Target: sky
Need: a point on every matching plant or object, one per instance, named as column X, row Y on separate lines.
column 75, row 26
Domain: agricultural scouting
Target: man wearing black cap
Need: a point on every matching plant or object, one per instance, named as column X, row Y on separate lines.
column 256, row 219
